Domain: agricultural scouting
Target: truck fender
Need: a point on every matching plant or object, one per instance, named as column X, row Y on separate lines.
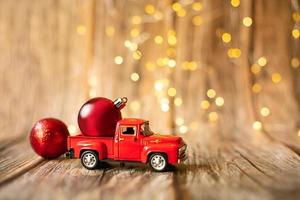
column 102, row 151
column 170, row 153
column 100, row 148
column 146, row 153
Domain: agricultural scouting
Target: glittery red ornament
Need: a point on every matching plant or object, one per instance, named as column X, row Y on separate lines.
column 98, row 116
column 48, row 138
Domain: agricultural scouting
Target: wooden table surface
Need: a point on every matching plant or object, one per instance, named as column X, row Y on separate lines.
column 255, row 167
column 56, row 54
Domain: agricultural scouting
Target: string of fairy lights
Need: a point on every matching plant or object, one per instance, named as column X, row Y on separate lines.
column 162, row 86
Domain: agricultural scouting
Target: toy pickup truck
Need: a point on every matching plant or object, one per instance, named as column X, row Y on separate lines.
column 133, row 141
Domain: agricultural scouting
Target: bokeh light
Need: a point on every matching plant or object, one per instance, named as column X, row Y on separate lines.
column 257, row 125
column 118, row 60
column 247, row 21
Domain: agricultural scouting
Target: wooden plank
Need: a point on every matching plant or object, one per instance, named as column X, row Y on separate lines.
column 58, row 178
column 137, row 183
column 283, row 121
column 24, row 169
column 211, row 174
column 274, row 160
column 16, row 159
column 40, row 64
column 114, row 80
column 257, row 167
column 234, row 169
column 69, row 179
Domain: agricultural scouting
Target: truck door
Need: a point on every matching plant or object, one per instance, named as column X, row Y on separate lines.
column 129, row 144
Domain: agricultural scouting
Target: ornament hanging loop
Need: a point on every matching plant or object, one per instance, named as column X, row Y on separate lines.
column 120, row 102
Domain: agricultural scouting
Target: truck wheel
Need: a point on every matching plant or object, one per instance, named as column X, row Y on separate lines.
column 89, row 159
column 158, row 162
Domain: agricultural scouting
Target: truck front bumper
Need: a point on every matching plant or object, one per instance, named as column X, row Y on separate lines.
column 182, row 154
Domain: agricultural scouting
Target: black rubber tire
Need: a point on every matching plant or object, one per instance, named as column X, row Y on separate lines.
column 93, row 155
column 159, row 169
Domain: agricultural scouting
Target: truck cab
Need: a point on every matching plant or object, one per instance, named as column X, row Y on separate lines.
column 133, row 141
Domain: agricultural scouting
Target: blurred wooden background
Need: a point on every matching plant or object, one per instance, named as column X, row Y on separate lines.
column 210, row 71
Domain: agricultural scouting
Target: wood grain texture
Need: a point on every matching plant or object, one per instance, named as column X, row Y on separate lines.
column 49, row 67
column 15, row 162
column 216, row 169
column 41, row 64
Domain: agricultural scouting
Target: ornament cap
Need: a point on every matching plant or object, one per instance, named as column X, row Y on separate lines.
column 120, row 102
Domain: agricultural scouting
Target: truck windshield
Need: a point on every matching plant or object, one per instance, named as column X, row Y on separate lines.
column 146, row 129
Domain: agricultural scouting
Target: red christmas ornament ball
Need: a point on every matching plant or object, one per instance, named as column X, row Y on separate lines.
column 48, row 138
column 98, row 117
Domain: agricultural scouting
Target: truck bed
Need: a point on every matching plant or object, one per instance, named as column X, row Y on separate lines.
column 84, row 142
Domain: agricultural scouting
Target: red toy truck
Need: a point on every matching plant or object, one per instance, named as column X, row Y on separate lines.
column 133, row 141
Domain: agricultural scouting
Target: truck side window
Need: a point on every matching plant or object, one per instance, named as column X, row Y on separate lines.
column 128, row 130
